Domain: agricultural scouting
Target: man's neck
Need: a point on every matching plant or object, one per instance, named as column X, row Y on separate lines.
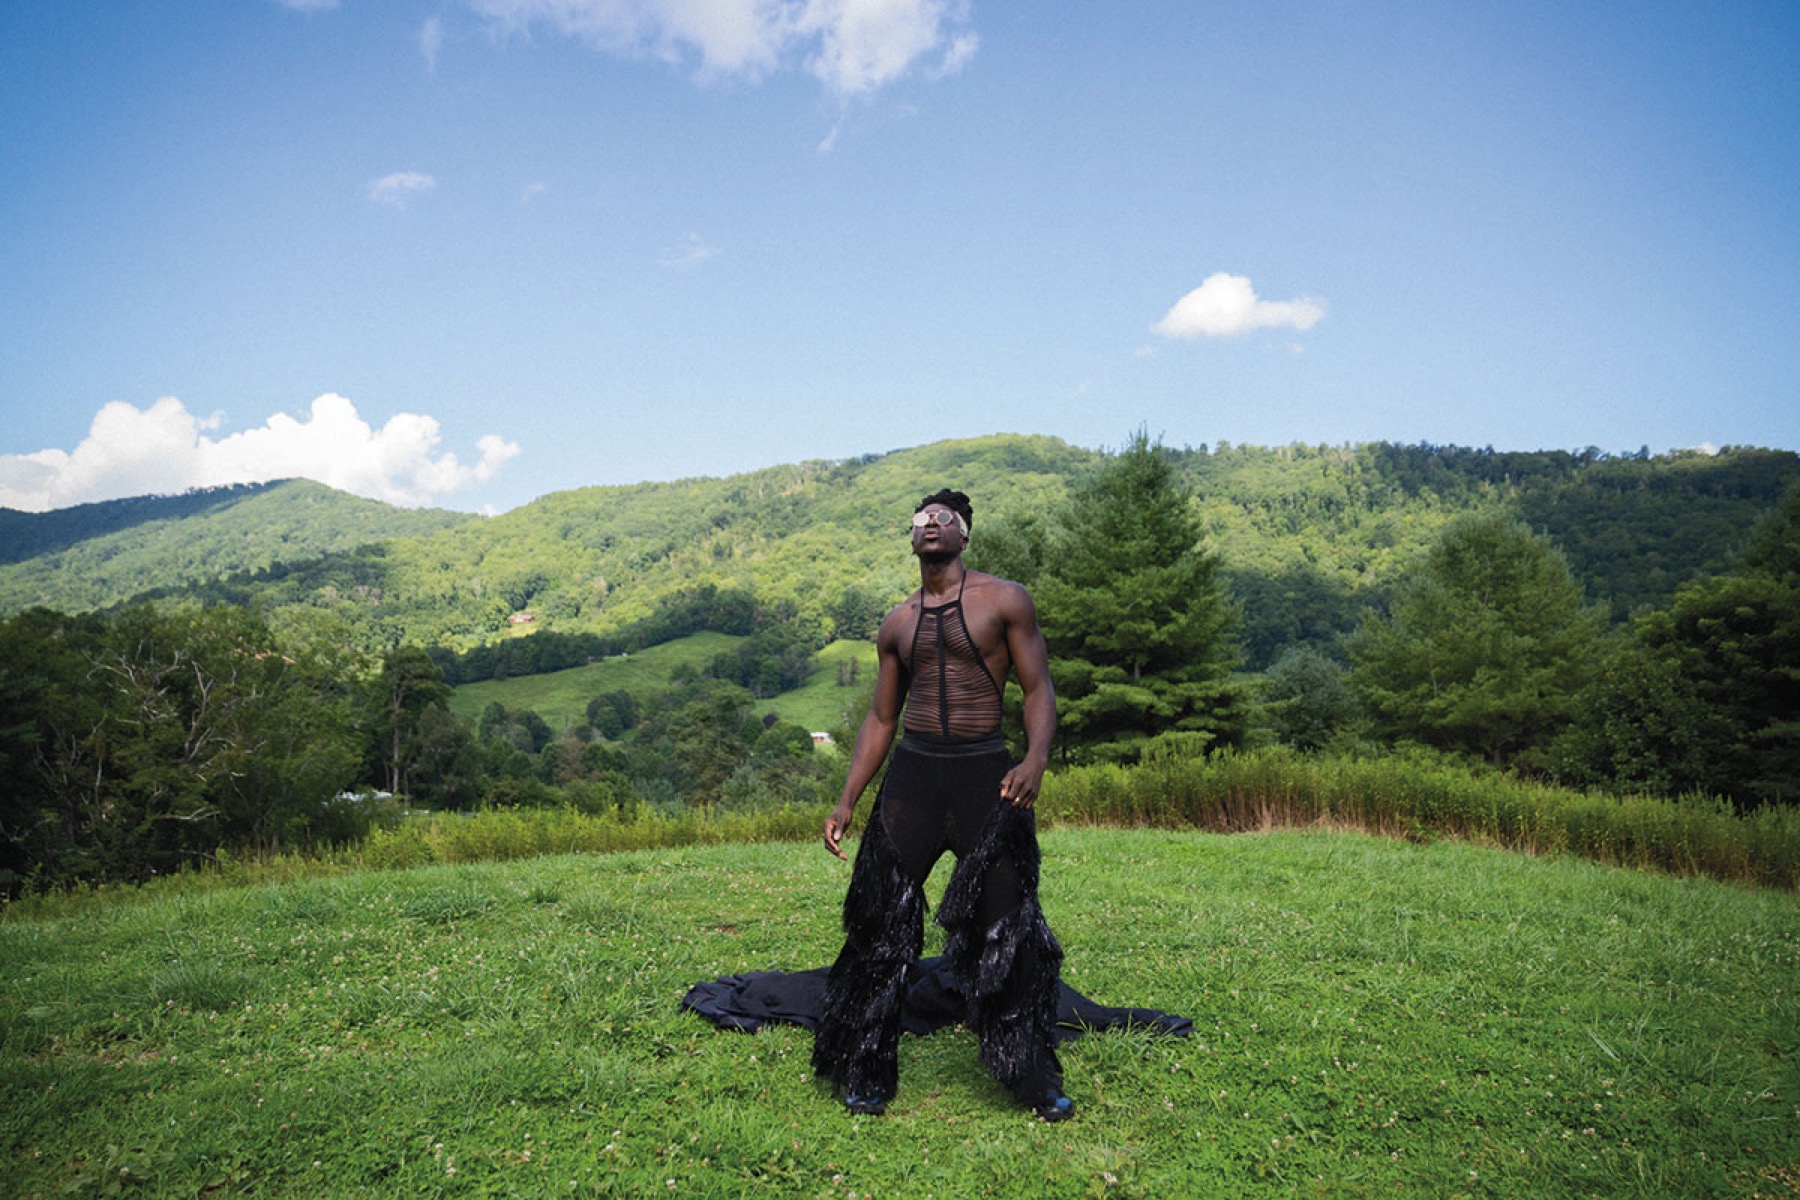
column 938, row 577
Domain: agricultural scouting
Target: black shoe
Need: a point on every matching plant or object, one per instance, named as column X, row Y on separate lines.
column 1054, row 1106
column 872, row 1106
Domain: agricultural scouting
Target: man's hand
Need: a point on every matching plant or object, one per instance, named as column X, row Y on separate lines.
column 1020, row 787
column 836, row 826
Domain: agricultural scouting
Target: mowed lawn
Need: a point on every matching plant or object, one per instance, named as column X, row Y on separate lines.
column 1372, row 1018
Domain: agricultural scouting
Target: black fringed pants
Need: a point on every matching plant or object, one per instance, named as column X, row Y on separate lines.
column 937, row 797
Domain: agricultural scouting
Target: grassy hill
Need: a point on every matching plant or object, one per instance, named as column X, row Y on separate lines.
column 561, row 697
column 1370, row 1018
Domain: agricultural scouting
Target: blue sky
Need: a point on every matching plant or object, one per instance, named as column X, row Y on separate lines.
column 466, row 252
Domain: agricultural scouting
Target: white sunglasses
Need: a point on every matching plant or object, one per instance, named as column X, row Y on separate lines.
column 942, row 516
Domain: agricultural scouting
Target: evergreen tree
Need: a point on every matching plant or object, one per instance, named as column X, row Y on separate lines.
column 1484, row 649
column 1135, row 615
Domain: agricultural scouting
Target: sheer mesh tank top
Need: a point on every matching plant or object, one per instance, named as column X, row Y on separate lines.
column 951, row 694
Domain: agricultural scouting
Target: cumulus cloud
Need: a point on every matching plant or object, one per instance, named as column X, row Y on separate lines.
column 863, row 44
column 399, row 188
column 853, row 47
column 164, row 449
column 1227, row 306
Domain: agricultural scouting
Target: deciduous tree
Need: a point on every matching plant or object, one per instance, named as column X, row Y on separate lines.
column 1485, row 646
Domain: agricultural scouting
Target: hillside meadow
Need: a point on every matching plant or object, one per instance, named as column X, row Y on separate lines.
column 561, row 697
column 1371, row 1018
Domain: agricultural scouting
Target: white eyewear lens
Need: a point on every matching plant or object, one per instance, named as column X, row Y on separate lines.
column 942, row 516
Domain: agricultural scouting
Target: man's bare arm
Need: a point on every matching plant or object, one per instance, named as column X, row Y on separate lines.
column 874, row 737
column 1031, row 662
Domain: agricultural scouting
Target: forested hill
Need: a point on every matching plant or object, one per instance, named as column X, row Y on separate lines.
column 1308, row 537
column 97, row 555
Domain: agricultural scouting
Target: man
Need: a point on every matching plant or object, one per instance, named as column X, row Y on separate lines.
column 944, row 656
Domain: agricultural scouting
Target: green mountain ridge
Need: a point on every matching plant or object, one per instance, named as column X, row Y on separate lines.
column 99, row 555
column 1309, row 537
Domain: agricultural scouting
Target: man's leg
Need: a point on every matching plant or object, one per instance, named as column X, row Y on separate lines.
column 1009, row 962
column 857, row 1043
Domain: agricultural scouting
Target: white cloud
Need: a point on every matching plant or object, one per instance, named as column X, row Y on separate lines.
column 863, row 44
column 1227, row 306
column 399, row 188
column 309, row 5
column 957, row 56
column 851, row 46
column 688, row 253
column 431, row 41
column 163, row 450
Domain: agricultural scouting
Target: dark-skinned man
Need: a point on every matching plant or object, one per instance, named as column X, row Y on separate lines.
column 944, row 657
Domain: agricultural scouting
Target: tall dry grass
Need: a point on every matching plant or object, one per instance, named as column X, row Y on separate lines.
column 1418, row 796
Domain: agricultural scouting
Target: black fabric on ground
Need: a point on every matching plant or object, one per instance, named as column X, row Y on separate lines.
column 934, row 999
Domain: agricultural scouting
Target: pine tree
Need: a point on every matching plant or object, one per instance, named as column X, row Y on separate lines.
column 1135, row 616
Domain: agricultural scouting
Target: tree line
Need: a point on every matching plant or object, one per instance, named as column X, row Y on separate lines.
column 142, row 741
column 147, row 737
column 1487, row 647
column 1308, row 537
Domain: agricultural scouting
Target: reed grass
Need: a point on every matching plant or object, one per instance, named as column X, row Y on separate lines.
column 1412, row 797
column 1419, row 797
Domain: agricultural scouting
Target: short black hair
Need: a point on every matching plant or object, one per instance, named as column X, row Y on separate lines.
column 956, row 502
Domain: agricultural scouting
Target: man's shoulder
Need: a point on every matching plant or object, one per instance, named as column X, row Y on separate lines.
column 993, row 589
column 908, row 605
column 898, row 616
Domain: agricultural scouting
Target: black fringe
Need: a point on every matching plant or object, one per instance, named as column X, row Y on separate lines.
column 1012, row 969
column 857, row 1042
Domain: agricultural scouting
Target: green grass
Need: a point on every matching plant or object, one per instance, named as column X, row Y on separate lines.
column 820, row 703
column 561, row 697
column 1372, row 1018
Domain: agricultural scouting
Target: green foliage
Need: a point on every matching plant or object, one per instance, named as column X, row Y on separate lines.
column 415, row 746
column 612, row 714
column 99, row 726
column 1485, row 647
column 1312, row 535
column 1306, row 536
column 1306, row 699
column 1736, row 643
column 143, row 742
column 29, row 535
column 769, row 662
column 98, row 555
column 1136, row 620
column 562, row 697
column 1642, row 726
